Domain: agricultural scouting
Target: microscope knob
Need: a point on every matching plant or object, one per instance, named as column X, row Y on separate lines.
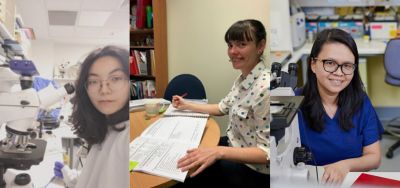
column 24, row 102
column 300, row 154
column 276, row 68
column 32, row 133
column 22, row 179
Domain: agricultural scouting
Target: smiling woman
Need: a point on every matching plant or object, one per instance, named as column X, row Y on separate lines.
column 241, row 158
column 345, row 135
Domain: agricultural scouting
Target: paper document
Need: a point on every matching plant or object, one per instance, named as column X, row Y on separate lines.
column 172, row 112
column 157, row 150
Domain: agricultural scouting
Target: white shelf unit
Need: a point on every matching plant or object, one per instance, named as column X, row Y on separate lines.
column 346, row 3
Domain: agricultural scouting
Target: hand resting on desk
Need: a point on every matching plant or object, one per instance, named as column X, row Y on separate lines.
column 335, row 173
column 199, row 159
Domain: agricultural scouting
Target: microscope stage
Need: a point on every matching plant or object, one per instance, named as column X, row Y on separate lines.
column 23, row 161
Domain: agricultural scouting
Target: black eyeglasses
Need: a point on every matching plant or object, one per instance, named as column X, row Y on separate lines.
column 332, row 66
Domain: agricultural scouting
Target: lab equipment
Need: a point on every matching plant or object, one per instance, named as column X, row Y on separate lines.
column 288, row 158
column 298, row 26
column 18, row 111
column 283, row 79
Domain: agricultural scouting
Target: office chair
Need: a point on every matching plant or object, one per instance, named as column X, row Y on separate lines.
column 185, row 83
column 392, row 67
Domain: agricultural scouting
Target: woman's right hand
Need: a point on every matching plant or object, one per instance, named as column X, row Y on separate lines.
column 179, row 103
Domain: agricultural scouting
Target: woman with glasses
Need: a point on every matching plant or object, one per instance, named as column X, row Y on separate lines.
column 337, row 121
column 100, row 116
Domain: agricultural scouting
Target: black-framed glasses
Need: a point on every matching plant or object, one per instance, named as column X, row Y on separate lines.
column 113, row 82
column 332, row 66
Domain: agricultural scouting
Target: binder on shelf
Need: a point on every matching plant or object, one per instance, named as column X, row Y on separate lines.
column 153, row 62
column 142, row 64
column 140, row 14
column 133, row 64
column 148, row 63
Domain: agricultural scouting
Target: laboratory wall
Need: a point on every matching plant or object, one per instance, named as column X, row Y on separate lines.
column 48, row 54
column 196, row 45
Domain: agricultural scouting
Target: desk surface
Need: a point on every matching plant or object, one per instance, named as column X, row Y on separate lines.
column 139, row 124
column 351, row 177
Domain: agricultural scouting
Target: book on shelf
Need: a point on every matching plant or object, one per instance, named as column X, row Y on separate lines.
column 141, row 17
column 142, row 89
column 157, row 150
column 133, row 65
column 142, row 62
column 133, row 16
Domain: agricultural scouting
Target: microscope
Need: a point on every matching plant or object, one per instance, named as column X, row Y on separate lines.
column 287, row 156
column 18, row 111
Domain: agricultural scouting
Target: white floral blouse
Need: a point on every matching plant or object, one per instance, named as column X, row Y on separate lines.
column 248, row 107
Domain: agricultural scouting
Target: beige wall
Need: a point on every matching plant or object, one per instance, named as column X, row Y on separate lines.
column 381, row 93
column 196, row 43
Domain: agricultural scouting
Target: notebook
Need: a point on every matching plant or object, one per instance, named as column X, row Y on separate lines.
column 371, row 181
column 174, row 112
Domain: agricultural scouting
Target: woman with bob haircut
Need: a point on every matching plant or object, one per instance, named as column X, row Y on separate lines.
column 241, row 159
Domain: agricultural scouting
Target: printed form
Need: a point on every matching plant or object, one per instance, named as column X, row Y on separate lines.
column 158, row 149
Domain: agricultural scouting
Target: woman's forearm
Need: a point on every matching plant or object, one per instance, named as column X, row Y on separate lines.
column 364, row 163
column 243, row 155
column 211, row 109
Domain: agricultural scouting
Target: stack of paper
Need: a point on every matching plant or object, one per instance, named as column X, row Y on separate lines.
column 173, row 112
column 157, row 150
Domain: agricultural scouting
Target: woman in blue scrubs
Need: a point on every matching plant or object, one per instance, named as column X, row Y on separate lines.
column 337, row 121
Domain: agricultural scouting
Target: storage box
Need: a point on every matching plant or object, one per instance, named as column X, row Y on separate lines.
column 383, row 29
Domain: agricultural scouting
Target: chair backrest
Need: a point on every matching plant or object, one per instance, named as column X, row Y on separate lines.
column 392, row 62
column 185, row 83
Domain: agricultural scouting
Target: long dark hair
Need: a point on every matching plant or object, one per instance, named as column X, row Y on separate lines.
column 349, row 99
column 89, row 123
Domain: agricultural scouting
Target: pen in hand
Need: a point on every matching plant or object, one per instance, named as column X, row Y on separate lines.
column 184, row 95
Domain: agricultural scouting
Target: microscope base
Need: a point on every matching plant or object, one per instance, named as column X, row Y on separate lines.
column 21, row 161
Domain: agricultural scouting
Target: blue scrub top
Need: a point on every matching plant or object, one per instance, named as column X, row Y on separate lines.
column 334, row 144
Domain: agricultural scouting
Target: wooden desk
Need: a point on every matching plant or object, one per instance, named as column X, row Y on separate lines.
column 139, row 124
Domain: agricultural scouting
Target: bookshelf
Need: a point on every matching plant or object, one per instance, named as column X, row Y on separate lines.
column 152, row 44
